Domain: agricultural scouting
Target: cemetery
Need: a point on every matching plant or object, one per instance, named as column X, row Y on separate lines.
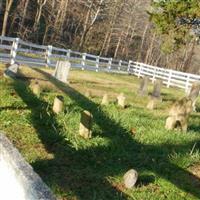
column 92, row 135
column 99, row 100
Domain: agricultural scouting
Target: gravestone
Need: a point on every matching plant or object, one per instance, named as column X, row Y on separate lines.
column 179, row 114
column 86, row 124
column 130, row 178
column 121, row 100
column 194, row 93
column 11, row 71
column 155, row 97
column 62, row 71
column 36, row 88
column 58, row 104
column 143, row 90
column 157, row 89
column 105, row 100
column 88, row 93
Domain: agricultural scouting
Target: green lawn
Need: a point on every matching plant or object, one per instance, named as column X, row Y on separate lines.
column 92, row 169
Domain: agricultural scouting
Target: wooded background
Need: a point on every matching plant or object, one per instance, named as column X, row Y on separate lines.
column 113, row 28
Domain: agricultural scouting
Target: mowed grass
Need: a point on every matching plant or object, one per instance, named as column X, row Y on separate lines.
column 74, row 168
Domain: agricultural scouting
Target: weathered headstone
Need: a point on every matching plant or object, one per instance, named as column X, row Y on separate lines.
column 11, row 71
column 157, row 89
column 36, row 88
column 155, row 97
column 130, row 178
column 62, row 71
column 105, row 100
column 143, row 90
column 86, row 124
column 194, row 93
column 179, row 114
column 58, row 104
column 121, row 100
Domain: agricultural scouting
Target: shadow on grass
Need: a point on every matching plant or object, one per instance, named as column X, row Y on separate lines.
column 84, row 173
column 13, row 108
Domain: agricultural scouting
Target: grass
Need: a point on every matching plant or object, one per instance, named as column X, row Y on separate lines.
column 75, row 168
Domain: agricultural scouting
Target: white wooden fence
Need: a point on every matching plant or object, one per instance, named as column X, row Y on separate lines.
column 15, row 50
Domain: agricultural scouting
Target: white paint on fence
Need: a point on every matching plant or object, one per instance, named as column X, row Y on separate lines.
column 40, row 55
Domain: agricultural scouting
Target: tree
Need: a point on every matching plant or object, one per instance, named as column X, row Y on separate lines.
column 6, row 14
column 173, row 21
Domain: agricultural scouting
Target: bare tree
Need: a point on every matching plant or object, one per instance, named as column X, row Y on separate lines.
column 6, row 14
column 40, row 3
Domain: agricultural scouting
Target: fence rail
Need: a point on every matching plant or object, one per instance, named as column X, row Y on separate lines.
column 16, row 50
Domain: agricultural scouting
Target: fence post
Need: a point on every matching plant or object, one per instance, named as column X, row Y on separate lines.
column 154, row 76
column 68, row 53
column 169, row 78
column 109, row 64
column 120, row 65
column 48, row 55
column 129, row 66
column 187, row 83
column 140, row 68
column 83, row 61
column 97, row 63
column 13, row 52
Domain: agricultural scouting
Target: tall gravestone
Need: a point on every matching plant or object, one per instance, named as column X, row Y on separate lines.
column 155, row 97
column 157, row 89
column 62, row 71
column 143, row 89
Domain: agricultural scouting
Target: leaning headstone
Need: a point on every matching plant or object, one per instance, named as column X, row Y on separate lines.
column 130, row 178
column 157, row 89
column 86, row 124
column 11, row 71
column 36, row 88
column 58, row 104
column 121, row 100
column 62, row 71
column 143, row 90
column 194, row 93
column 105, row 100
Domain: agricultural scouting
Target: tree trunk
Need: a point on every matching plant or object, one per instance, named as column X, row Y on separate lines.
column 189, row 58
column 24, row 15
column 142, row 43
column 5, row 19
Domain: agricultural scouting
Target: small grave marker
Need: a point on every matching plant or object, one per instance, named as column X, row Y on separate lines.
column 58, row 104
column 86, row 124
column 130, row 178
column 105, row 100
column 121, row 100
